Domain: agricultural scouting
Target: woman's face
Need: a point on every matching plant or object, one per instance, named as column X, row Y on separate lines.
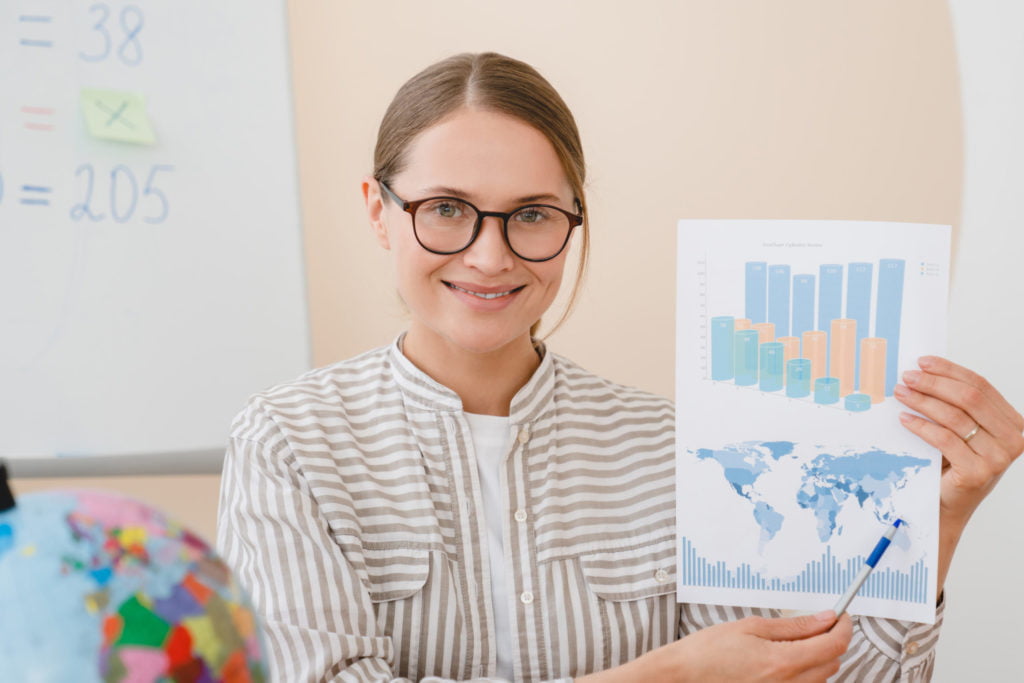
column 497, row 163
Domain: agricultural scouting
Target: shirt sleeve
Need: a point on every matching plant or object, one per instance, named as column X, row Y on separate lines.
column 317, row 618
column 881, row 649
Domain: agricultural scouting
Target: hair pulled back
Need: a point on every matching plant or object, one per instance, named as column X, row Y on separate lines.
column 492, row 82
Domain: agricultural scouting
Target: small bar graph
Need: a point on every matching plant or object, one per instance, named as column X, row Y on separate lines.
column 825, row 575
column 845, row 355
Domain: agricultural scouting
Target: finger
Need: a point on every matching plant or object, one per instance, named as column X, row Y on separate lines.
column 790, row 628
column 819, row 651
column 968, row 398
column 972, row 470
column 949, row 416
column 937, row 365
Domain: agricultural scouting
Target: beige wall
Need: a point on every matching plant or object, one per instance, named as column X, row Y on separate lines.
column 721, row 109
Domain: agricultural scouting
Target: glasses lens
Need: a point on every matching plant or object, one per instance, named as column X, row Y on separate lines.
column 445, row 224
column 538, row 232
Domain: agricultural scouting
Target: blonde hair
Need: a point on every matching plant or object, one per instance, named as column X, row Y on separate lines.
column 497, row 83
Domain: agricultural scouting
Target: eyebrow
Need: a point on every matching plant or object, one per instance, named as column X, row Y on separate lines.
column 442, row 190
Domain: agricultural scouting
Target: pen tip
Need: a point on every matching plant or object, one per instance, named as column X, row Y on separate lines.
column 897, row 523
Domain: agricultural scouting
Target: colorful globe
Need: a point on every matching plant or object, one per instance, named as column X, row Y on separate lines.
column 99, row 587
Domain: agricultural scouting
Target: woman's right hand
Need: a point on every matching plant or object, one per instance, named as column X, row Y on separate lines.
column 753, row 649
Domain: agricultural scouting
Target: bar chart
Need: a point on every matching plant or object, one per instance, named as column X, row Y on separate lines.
column 798, row 337
column 825, row 575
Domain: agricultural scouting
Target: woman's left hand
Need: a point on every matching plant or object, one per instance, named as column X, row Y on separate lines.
column 978, row 432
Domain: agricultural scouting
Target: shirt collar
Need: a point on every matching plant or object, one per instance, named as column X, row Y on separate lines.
column 427, row 393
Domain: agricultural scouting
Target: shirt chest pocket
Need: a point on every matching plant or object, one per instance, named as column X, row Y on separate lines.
column 630, row 595
column 395, row 573
column 631, row 574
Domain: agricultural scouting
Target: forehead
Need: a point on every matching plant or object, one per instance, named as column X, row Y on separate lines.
column 485, row 154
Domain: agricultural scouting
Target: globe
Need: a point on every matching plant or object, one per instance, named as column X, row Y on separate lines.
column 100, row 587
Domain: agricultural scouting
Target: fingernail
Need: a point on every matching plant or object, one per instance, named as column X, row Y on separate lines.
column 926, row 361
column 911, row 377
column 901, row 391
column 906, row 418
column 827, row 615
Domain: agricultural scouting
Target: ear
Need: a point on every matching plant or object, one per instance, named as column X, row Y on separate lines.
column 375, row 210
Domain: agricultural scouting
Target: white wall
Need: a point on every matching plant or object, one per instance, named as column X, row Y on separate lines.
column 983, row 627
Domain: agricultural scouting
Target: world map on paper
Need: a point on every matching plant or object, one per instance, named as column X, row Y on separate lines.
column 829, row 480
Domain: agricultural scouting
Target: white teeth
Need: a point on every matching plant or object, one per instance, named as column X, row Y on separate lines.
column 480, row 294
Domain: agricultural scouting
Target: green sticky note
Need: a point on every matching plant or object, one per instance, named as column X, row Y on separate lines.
column 117, row 115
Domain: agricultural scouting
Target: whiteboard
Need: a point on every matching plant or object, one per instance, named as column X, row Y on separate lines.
column 148, row 283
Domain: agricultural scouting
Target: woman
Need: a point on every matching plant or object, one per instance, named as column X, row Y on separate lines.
column 464, row 503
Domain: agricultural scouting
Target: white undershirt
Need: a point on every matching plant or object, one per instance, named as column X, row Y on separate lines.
column 492, row 440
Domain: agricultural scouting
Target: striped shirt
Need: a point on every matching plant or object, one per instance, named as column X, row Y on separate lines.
column 351, row 510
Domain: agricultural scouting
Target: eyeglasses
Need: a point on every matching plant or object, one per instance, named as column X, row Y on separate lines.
column 448, row 225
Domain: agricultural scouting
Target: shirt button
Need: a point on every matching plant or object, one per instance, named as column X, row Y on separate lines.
column 526, row 597
column 520, row 515
column 524, row 435
column 661, row 576
column 912, row 647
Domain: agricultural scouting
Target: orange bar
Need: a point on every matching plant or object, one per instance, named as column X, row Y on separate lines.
column 791, row 347
column 741, row 324
column 843, row 354
column 765, row 332
column 872, row 368
column 815, row 347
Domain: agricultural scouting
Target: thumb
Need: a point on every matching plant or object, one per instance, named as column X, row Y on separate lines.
column 794, row 628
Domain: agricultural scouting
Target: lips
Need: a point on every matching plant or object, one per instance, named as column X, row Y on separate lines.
column 481, row 292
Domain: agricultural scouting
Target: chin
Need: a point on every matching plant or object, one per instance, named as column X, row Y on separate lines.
column 485, row 341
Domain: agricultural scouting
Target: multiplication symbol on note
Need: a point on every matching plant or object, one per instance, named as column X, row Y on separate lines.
column 33, row 30
column 116, row 115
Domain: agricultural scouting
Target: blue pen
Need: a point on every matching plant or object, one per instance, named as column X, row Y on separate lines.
column 869, row 564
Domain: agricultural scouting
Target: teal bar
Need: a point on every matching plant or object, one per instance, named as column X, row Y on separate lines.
column 773, row 356
column 826, row 390
column 721, row 347
column 858, row 403
column 744, row 359
column 798, row 378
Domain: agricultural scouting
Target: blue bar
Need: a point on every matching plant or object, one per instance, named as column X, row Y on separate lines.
column 772, row 364
column 798, row 377
column 721, row 347
column 890, row 310
column 745, row 357
column 830, row 300
column 858, row 307
column 857, row 403
column 826, row 390
column 803, row 304
column 757, row 291
column 778, row 299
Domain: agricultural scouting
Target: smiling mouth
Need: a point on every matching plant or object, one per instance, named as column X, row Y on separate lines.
column 484, row 295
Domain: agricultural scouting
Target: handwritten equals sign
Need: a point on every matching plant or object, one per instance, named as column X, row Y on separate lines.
column 37, row 118
column 32, row 19
column 36, row 195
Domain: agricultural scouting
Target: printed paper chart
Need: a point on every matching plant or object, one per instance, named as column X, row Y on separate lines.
column 791, row 336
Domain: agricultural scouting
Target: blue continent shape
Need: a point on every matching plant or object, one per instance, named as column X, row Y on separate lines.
column 869, row 477
column 742, row 464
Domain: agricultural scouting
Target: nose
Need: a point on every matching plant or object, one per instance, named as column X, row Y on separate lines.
column 489, row 253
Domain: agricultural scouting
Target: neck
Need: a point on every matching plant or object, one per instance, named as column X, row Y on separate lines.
column 485, row 381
